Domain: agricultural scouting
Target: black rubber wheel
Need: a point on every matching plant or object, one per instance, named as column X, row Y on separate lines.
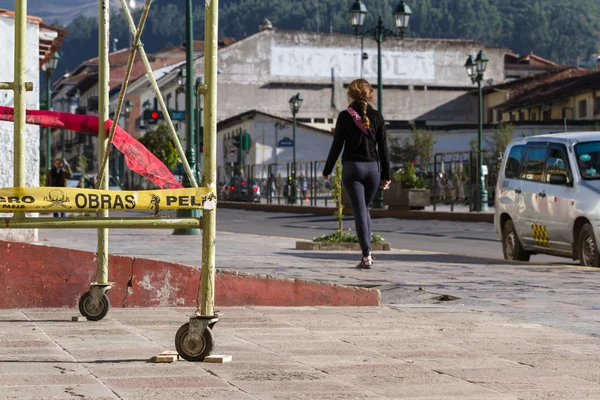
column 193, row 349
column 511, row 245
column 588, row 248
column 93, row 313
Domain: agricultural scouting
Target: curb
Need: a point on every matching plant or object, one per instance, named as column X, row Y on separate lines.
column 304, row 245
column 402, row 214
column 39, row 276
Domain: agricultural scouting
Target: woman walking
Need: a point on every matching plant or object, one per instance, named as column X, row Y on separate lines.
column 360, row 131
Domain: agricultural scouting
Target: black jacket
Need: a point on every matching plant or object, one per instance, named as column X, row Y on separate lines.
column 358, row 146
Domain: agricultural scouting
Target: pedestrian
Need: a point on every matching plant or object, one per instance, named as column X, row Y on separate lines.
column 304, row 187
column 57, row 176
column 360, row 131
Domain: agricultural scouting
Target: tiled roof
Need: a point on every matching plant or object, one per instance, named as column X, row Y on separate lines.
column 529, row 60
column 546, row 93
column 519, row 86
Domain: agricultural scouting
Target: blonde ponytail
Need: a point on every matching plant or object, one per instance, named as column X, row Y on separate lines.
column 361, row 91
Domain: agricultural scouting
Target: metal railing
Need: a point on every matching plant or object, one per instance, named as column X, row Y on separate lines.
column 274, row 184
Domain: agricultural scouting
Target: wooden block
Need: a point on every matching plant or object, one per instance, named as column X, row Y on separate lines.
column 165, row 359
column 78, row 318
column 218, row 359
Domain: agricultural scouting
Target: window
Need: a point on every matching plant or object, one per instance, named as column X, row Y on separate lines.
column 499, row 116
column 588, row 159
column 490, row 116
column 319, row 120
column 583, row 109
column 533, row 164
column 169, row 96
column 558, row 162
column 534, row 116
column 547, row 115
column 597, row 105
column 513, row 162
column 512, row 117
column 522, row 116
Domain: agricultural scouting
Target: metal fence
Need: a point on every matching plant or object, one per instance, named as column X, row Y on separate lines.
column 453, row 178
column 275, row 183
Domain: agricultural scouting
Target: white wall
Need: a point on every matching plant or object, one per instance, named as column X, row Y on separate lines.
column 7, row 29
column 311, row 145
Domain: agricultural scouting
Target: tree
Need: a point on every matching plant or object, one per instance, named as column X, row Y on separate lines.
column 336, row 191
column 160, row 144
column 417, row 148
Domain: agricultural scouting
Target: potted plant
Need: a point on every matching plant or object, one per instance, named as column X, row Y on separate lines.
column 407, row 190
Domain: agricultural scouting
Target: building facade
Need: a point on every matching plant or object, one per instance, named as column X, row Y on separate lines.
column 42, row 41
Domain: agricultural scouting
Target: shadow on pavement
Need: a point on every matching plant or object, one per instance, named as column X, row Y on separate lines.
column 412, row 257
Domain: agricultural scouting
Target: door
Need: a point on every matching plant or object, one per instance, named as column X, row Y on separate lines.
column 509, row 186
column 555, row 199
column 531, row 174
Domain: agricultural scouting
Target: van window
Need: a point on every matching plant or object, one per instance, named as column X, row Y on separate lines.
column 588, row 159
column 533, row 164
column 558, row 162
column 513, row 162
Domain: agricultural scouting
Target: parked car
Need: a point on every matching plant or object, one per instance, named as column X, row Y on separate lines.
column 240, row 189
column 547, row 197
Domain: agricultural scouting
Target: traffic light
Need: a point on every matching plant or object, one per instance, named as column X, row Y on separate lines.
column 246, row 141
column 243, row 141
column 153, row 116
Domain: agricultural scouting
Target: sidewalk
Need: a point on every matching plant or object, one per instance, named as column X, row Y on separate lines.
column 557, row 295
column 408, row 352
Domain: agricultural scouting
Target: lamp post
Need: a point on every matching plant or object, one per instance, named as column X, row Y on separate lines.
column 127, row 109
column 380, row 33
column 49, row 67
column 295, row 104
column 199, row 127
column 188, row 77
column 475, row 70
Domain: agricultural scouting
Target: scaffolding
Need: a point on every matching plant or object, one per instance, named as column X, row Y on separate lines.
column 194, row 340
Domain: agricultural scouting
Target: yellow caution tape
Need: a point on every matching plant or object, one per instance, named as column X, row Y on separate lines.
column 75, row 199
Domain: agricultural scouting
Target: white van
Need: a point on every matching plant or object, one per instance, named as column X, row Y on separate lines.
column 548, row 197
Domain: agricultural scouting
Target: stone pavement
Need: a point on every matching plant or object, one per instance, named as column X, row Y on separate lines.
column 564, row 296
column 404, row 351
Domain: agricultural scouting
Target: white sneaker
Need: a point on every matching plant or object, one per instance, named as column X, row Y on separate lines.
column 365, row 263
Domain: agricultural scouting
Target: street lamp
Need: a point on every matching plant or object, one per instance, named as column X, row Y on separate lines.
column 380, row 33
column 199, row 127
column 127, row 109
column 186, row 77
column 475, row 70
column 49, row 67
column 295, row 104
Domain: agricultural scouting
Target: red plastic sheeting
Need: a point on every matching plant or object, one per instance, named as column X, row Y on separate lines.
column 138, row 158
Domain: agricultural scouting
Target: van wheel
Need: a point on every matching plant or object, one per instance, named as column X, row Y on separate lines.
column 588, row 248
column 511, row 245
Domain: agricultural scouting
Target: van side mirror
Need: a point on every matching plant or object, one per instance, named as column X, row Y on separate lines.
column 559, row 179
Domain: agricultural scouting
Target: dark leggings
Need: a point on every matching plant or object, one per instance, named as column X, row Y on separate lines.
column 361, row 180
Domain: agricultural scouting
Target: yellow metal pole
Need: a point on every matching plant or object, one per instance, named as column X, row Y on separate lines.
column 20, row 92
column 209, row 221
column 124, row 86
column 103, row 102
column 161, row 102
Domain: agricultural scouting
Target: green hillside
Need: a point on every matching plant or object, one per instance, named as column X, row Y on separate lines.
column 559, row 30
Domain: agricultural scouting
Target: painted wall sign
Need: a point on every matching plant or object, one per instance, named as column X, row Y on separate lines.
column 318, row 62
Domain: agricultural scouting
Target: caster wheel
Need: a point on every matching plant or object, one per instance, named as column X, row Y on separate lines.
column 87, row 309
column 194, row 349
